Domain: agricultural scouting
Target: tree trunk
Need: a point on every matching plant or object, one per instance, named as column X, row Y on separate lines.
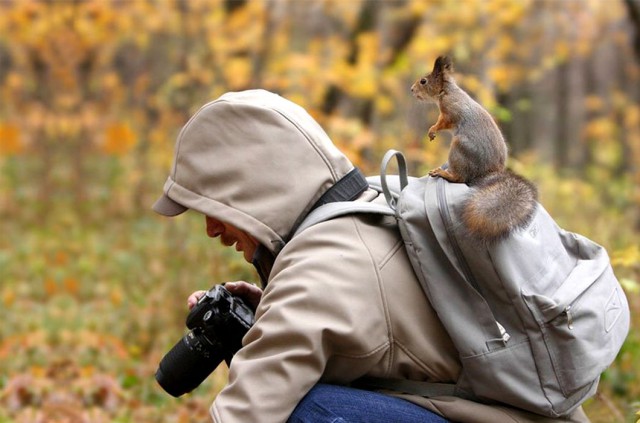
column 633, row 7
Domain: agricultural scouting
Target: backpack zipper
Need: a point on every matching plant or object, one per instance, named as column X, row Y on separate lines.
column 567, row 311
column 445, row 215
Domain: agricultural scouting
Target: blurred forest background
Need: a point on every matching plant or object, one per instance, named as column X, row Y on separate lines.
column 93, row 93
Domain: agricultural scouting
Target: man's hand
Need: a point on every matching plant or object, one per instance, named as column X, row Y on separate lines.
column 248, row 292
column 194, row 297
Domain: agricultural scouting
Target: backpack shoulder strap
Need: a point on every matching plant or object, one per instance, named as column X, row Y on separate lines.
column 390, row 186
column 342, row 208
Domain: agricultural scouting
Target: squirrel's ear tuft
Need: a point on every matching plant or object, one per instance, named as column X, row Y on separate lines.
column 443, row 63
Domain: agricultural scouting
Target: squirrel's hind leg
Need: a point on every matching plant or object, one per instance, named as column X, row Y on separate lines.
column 444, row 173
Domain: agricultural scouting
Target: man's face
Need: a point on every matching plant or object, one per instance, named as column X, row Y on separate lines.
column 230, row 235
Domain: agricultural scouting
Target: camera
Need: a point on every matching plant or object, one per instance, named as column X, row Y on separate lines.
column 217, row 324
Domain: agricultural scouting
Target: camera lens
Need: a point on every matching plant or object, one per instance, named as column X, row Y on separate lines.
column 187, row 364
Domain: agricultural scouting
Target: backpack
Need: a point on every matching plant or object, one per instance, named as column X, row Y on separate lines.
column 536, row 317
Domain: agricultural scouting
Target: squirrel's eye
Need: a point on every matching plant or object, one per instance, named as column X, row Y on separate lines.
column 423, row 81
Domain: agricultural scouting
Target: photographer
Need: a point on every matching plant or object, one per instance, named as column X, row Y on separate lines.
column 340, row 300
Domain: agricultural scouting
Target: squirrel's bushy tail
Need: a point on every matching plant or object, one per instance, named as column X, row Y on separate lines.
column 501, row 203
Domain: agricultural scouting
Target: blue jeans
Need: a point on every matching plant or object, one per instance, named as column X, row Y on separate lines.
column 340, row 404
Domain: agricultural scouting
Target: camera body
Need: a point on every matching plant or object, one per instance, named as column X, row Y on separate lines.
column 217, row 324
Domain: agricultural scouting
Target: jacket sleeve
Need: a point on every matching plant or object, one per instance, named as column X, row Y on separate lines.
column 306, row 318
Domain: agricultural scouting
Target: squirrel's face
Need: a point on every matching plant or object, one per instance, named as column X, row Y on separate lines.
column 427, row 87
column 433, row 85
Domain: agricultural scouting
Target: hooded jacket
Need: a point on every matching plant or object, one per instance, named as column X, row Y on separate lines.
column 342, row 301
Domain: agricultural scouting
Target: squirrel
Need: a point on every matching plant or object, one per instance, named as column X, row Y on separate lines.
column 502, row 202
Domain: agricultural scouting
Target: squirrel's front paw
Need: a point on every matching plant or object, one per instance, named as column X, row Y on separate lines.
column 432, row 132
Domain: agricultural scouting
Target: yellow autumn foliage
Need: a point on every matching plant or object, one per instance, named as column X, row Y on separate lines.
column 9, row 139
column 119, row 139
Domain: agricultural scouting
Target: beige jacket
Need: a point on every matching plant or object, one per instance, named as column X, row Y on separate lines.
column 342, row 301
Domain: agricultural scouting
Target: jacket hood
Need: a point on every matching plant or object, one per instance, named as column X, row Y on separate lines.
column 254, row 160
